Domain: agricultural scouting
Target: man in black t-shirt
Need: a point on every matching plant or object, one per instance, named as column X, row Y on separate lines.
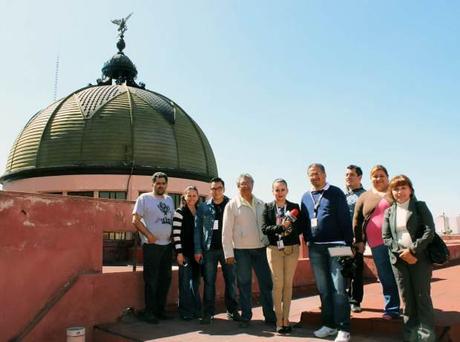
column 209, row 252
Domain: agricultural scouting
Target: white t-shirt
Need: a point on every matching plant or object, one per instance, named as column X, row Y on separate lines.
column 157, row 215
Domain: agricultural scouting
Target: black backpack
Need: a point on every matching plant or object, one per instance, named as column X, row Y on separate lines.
column 437, row 249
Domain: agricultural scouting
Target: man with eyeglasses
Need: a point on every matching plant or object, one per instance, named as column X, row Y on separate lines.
column 209, row 252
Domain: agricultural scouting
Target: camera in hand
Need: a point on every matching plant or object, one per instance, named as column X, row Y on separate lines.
column 348, row 266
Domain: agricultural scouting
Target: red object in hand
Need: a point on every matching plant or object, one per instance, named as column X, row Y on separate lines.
column 292, row 215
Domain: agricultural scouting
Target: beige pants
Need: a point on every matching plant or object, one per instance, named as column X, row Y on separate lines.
column 283, row 265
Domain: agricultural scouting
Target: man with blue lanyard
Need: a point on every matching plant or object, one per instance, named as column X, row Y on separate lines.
column 326, row 215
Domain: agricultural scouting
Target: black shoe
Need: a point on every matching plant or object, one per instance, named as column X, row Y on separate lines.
column 288, row 329
column 234, row 316
column 205, row 320
column 186, row 318
column 280, row 330
column 164, row 316
column 243, row 324
column 270, row 322
column 149, row 318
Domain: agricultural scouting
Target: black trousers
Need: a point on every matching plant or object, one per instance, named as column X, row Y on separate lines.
column 414, row 282
column 355, row 288
column 157, row 276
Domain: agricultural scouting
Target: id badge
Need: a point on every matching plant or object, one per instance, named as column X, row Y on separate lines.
column 216, row 225
column 280, row 244
column 314, row 223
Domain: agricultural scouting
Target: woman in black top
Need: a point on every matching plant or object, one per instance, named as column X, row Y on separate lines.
column 189, row 269
column 283, row 251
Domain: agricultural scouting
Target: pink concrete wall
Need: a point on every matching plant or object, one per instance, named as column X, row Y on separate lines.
column 94, row 299
column 46, row 239
column 101, row 183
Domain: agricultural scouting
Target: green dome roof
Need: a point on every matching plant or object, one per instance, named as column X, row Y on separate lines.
column 111, row 129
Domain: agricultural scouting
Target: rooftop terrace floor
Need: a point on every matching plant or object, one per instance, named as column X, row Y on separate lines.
column 366, row 326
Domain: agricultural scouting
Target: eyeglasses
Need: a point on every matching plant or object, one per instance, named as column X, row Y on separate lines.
column 217, row 188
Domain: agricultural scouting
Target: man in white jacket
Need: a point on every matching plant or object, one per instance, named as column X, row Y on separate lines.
column 244, row 245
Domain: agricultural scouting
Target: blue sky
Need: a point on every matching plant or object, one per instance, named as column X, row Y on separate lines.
column 275, row 85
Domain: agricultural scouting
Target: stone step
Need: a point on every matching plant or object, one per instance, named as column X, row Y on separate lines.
column 446, row 301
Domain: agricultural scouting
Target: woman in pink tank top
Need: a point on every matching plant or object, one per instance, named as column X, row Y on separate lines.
column 367, row 224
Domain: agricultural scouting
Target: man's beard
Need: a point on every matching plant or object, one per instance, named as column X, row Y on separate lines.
column 159, row 191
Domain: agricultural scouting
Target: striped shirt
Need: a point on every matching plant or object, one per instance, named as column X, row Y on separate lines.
column 183, row 227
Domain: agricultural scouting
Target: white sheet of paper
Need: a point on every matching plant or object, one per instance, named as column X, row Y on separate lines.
column 340, row 251
column 216, row 225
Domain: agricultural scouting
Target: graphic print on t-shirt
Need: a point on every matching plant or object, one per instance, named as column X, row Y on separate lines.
column 165, row 209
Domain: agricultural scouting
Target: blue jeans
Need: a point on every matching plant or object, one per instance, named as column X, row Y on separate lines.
column 335, row 308
column 246, row 261
column 189, row 295
column 387, row 279
column 211, row 259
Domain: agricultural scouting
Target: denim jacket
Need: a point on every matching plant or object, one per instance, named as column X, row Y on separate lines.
column 204, row 222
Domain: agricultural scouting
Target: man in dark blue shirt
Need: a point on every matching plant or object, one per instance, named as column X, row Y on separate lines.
column 326, row 215
column 354, row 189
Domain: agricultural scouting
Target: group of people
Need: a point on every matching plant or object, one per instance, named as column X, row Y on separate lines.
column 244, row 234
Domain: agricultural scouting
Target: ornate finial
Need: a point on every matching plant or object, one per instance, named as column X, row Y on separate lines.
column 119, row 68
column 122, row 28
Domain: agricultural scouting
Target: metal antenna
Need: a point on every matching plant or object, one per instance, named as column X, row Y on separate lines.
column 56, row 77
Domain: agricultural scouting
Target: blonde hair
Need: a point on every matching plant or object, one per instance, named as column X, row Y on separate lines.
column 378, row 167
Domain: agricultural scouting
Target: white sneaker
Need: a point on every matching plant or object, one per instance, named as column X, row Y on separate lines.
column 324, row 332
column 343, row 336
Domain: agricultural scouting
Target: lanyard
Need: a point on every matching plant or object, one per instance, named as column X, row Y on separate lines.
column 280, row 214
column 317, row 203
column 280, row 211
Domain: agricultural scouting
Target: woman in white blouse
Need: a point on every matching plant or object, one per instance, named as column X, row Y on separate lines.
column 407, row 230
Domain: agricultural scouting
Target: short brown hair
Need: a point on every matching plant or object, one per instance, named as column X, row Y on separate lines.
column 377, row 168
column 355, row 168
column 400, row 180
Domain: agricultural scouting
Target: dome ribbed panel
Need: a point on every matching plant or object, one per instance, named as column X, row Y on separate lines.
column 9, row 161
column 25, row 150
column 91, row 99
column 107, row 137
column 156, row 102
column 154, row 138
column 108, row 127
column 211, row 160
column 61, row 140
column 191, row 153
